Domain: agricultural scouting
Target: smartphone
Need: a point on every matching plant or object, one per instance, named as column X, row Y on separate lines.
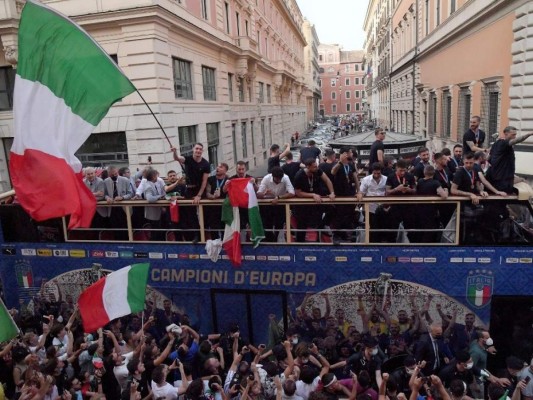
column 527, row 379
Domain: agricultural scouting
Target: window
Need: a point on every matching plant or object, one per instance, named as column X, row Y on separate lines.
column 243, row 138
column 356, row 67
column 334, row 108
column 320, row 83
column 270, row 131
column 182, row 79
column 347, row 94
column 357, row 81
column 452, row 6
column 362, row 93
column 234, row 141
column 238, row 22
column 246, row 27
column 210, row 85
column 320, row 57
column 347, row 68
column 268, row 94
column 333, row 95
column 212, row 144
column 357, row 106
column 333, row 82
column 357, row 94
column 463, row 118
column 7, row 84
column 446, row 113
column 263, row 134
column 348, row 107
column 266, row 47
column 252, row 126
column 205, row 14
column 490, row 109
column 187, row 137
column 347, row 81
column 230, row 87
column 226, row 16
column 241, row 89
column 100, row 149
column 261, row 92
column 432, row 114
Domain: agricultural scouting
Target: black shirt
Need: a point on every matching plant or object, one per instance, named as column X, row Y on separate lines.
column 308, row 184
column 272, row 163
column 194, row 172
column 427, row 187
column 309, row 152
column 215, row 183
column 444, row 177
column 466, row 181
column 377, row 145
column 291, row 169
column 418, row 172
column 326, row 168
column 344, row 182
column 453, row 164
column 394, row 181
column 470, row 136
column 502, row 160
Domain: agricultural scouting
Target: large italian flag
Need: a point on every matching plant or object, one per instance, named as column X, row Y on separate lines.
column 241, row 193
column 65, row 85
column 118, row 294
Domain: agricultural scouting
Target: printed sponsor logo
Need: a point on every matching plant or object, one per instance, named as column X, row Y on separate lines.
column 456, row 259
column 273, row 258
column 204, row 257
column 285, row 258
column 417, row 259
column 249, row 258
column 60, row 253
column 526, row 260
column 140, row 254
column 182, row 256
column 172, row 256
column 77, row 253
column 28, row 252
column 341, row 259
column 156, row 256
column 194, row 256
column 511, row 260
column 97, row 253
column 404, row 259
column 484, row 260
column 310, row 258
column 430, row 260
column 469, row 259
column 261, row 258
column 114, row 254
column 366, row 259
column 44, row 252
column 9, row 251
column 225, row 257
column 391, row 259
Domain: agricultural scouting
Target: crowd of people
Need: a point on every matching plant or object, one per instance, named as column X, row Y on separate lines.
column 160, row 354
column 469, row 170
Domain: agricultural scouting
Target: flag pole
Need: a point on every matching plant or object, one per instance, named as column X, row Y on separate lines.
column 156, row 120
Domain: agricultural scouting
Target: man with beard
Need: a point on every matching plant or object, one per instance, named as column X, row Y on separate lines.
column 463, row 335
column 474, row 137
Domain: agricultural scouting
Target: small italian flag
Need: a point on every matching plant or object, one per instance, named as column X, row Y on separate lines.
column 8, row 329
column 65, row 85
column 240, row 194
column 479, row 294
column 118, row 294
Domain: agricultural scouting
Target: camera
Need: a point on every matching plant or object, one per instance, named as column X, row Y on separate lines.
column 175, row 329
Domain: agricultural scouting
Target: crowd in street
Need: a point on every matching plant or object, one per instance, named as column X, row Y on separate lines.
column 160, row 354
column 471, row 170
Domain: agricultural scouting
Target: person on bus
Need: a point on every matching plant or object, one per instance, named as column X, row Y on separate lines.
column 401, row 183
column 375, row 185
column 276, row 157
column 377, row 150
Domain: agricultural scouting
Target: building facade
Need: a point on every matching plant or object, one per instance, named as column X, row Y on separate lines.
column 454, row 59
column 341, row 81
column 226, row 73
column 311, row 69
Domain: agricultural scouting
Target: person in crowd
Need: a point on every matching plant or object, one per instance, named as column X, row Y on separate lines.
column 306, row 185
column 401, row 183
column 125, row 172
column 116, row 189
column 466, row 181
column 275, row 186
column 214, row 191
column 375, row 184
column 474, row 137
column 291, row 167
column 456, row 160
column 430, row 349
column 153, row 192
column 97, row 187
column 310, row 151
column 377, row 150
column 418, row 170
column 275, row 156
column 197, row 171
column 175, row 187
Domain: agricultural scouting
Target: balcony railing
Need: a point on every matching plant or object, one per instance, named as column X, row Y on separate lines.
column 466, row 225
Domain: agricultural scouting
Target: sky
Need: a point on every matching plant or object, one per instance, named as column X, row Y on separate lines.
column 337, row 21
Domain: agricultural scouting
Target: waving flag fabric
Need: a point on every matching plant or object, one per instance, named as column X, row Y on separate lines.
column 241, row 193
column 65, row 85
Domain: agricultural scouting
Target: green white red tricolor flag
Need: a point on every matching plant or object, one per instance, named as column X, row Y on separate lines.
column 65, row 85
column 241, row 193
column 118, row 294
column 8, row 328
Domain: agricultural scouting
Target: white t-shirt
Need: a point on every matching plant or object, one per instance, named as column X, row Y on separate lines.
column 167, row 391
column 121, row 371
column 304, row 390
